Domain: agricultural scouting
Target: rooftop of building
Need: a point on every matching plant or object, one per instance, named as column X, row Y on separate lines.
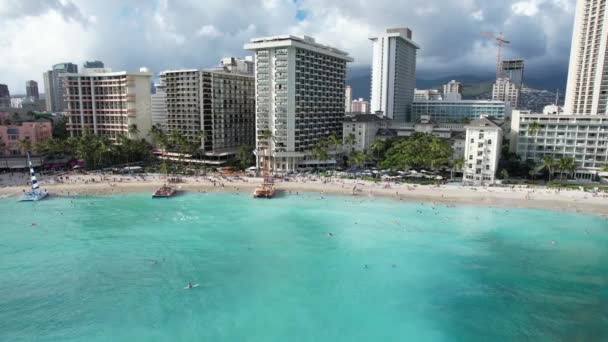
column 400, row 32
column 101, row 72
column 460, row 102
column 363, row 118
column 290, row 40
column 483, row 122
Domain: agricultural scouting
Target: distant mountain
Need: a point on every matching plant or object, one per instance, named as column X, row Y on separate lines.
column 359, row 78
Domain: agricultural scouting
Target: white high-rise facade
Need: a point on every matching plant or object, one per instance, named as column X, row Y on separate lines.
column 587, row 88
column 505, row 90
column 393, row 73
column 159, row 105
column 299, row 98
column 348, row 101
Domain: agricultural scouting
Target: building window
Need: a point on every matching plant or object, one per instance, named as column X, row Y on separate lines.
column 489, row 141
column 479, row 153
column 487, row 167
column 478, row 171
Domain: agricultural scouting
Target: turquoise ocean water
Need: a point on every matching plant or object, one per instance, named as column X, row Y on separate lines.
column 268, row 271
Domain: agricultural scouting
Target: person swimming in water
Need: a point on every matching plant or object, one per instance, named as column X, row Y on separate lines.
column 189, row 285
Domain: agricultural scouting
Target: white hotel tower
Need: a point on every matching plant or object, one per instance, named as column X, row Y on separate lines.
column 393, row 73
column 299, row 98
column 587, row 88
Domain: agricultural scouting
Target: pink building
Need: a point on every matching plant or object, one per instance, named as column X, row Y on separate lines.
column 13, row 132
column 360, row 106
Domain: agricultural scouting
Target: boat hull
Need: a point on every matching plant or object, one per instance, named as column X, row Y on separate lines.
column 33, row 196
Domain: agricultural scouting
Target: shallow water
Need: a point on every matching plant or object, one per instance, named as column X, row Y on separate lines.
column 113, row 268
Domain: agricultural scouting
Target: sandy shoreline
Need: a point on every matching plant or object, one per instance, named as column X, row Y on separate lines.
column 517, row 197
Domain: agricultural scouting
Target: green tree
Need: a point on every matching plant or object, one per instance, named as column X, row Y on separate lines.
column 25, row 145
column 567, row 164
column 549, row 165
column 133, row 130
column 533, row 128
column 418, row 150
column 245, row 156
column 605, row 167
column 504, row 174
column 350, row 139
column 319, row 151
column 457, row 165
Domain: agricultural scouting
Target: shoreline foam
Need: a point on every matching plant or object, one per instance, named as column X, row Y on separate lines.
column 516, row 197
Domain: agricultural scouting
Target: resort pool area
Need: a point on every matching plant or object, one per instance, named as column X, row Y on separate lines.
column 297, row 268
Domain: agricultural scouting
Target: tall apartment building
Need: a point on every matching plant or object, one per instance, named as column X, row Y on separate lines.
column 452, row 87
column 582, row 137
column 360, row 106
column 213, row 107
column 452, row 91
column 505, row 90
column 513, row 69
column 108, row 103
column 348, row 93
column 31, row 89
column 158, row 101
column 299, row 97
column 587, row 87
column 5, row 96
column 53, row 86
column 482, row 152
column 393, row 73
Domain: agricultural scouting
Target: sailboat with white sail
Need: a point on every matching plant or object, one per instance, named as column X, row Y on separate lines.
column 35, row 194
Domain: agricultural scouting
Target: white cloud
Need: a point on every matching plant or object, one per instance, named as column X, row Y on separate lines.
column 128, row 34
column 526, row 8
column 208, row 31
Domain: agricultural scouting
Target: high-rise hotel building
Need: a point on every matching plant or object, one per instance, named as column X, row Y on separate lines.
column 299, row 98
column 215, row 107
column 587, row 87
column 393, row 73
column 108, row 103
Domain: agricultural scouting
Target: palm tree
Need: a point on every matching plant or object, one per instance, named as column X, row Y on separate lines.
column 133, row 130
column 457, row 165
column 504, row 174
column 319, row 151
column 25, row 145
column 378, row 147
column 566, row 164
column 548, row 164
column 350, row 139
column 533, row 128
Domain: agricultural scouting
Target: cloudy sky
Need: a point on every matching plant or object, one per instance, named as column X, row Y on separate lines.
column 163, row 34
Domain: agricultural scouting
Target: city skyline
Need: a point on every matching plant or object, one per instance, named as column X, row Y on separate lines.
column 158, row 32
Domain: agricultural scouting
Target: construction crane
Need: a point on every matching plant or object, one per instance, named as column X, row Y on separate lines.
column 500, row 41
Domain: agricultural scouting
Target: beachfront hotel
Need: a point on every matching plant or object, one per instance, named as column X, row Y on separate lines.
column 215, row 107
column 587, row 87
column 483, row 144
column 300, row 98
column 158, row 103
column 582, row 137
column 393, row 73
column 460, row 111
column 108, row 103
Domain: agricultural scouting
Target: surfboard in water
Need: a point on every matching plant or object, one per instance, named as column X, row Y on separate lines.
column 193, row 286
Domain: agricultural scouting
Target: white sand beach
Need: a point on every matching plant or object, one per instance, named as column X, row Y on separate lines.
column 516, row 196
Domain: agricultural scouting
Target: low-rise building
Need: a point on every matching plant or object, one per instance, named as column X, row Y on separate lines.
column 14, row 132
column 582, row 137
column 460, row 111
column 363, row 128
column 427, row 95
column 483, row 145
